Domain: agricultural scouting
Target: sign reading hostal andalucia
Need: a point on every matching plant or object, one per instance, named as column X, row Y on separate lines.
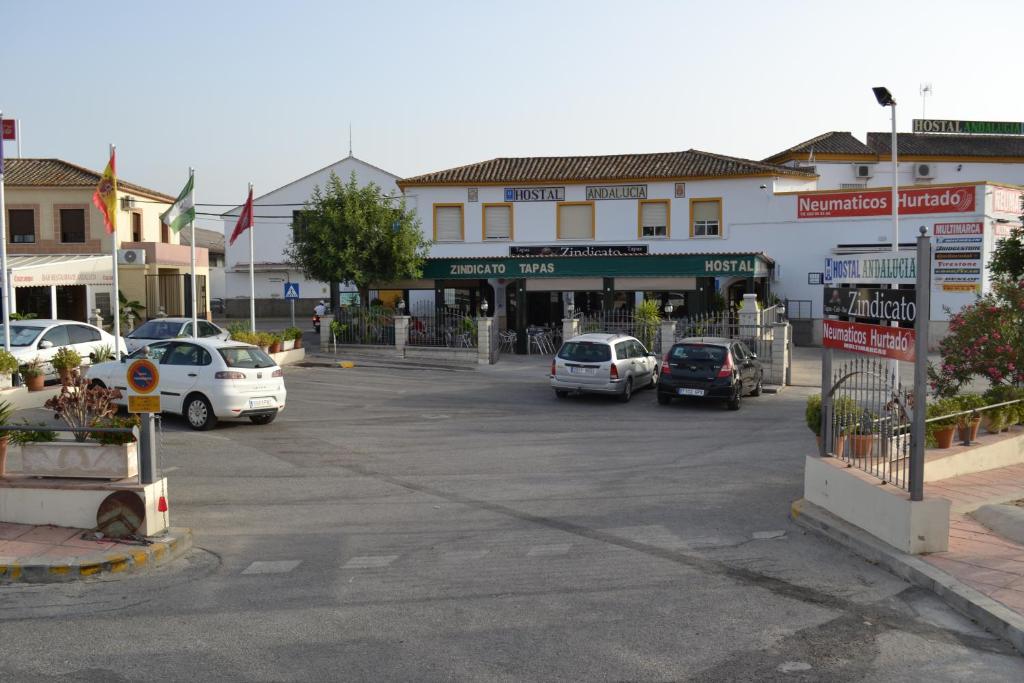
column 878, row 202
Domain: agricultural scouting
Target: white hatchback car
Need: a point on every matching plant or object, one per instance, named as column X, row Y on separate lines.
column 161, row 329
column 32, row 339
column 614, row 364
column 206, row 380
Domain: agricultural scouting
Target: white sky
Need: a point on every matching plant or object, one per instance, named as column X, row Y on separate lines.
column 265, row 91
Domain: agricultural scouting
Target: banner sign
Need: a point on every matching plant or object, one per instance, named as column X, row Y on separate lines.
column 878, row 202
column 896, row 305
column 534, row 194
column 616, row 192
column 877, row 268
column 873, row 340
column 10, row 129
column 580, row 250
column 654, row 265
column 968, row 127
column 1006, row 200
column 957, row 263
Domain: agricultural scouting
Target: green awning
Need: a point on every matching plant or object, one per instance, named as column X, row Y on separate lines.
column 651, row 265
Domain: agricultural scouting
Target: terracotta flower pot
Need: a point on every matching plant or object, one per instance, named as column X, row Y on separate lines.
column 67, row 376
column 4, row 440
column 275, row 347
column 35, row 382
column 862, row 444
column 298, row 342
column 969, row 431
column 992, row 426
column 840, row 445
column 944, row 436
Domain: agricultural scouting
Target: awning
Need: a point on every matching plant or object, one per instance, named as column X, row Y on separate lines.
column 60, row 270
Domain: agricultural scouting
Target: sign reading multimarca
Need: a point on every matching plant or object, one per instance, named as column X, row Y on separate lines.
column 616, row 192
column 878, row 202
column 660, row 265
column 969, row 127
column 879, row 268
column 534, row 194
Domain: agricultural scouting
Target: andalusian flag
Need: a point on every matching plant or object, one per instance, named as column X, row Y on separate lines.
column 183, row 211
column 105, row 196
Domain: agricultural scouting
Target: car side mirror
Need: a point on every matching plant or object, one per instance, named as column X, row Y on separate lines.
column 753, row 356
column 46, row 344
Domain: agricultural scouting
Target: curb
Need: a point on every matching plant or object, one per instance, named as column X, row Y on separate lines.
column 163, row 549
column 990, row 614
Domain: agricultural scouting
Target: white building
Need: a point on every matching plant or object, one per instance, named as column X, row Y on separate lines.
column 272, row 236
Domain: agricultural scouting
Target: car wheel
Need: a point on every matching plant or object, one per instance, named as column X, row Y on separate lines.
column 627, row 391
column 97, row 383
column 199, row 413
column 561, row 393
column 654, row 380
column 664, row 399
column 758, row 387
column 734, row 404
column 263, row 419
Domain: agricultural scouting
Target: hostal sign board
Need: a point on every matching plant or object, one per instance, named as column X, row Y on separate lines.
column 662, row 265
column 877, row 268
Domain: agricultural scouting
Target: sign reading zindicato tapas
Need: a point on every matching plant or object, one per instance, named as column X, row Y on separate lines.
column 879, row 202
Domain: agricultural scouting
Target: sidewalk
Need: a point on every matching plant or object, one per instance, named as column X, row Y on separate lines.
column 982, row 573
column 47, row 554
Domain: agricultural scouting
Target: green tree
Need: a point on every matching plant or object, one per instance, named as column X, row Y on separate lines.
column 348, row 233
column 1007, row 262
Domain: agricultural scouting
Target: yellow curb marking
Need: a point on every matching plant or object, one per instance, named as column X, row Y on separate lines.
column 158, row 552
column 346, row 364
column 60, row 569
column 90, row 569
column 140, row 558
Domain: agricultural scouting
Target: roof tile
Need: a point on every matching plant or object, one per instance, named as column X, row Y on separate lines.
column 60, row 173
column 833, row 142
column 932, row 144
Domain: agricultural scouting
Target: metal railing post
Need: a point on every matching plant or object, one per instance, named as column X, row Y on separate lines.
column 826, row 402
column 917, row 434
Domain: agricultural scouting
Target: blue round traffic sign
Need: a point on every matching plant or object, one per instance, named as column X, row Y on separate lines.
column 143, row 376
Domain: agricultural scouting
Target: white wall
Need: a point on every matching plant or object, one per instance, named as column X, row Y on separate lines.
column 833, row 174
column 273, row 235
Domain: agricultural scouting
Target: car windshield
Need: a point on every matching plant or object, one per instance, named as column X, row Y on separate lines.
column 22, row 335
column 156, row 329
column 246, row 357
column 698, row 353
column 585, row 352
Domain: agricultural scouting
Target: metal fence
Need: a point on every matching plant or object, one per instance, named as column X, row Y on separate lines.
column 867, row 420
column 726, row 324
column 798, row 309
column 370, row 326
column 429, row 326
column 623, row 322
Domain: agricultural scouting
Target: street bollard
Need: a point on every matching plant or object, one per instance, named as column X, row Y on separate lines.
column 147, row 449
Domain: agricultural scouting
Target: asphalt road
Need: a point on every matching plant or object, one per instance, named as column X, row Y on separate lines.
column 427, row 524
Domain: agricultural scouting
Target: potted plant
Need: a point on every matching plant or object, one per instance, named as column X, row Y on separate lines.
column 264, row 340
column 8, row 366
column 32, row 372
column 101, row 354
column 275, row 342
column 6, row 409
column 296, row 337
column 999, row 419
column 846, row 415
column 939, row 432
column 967, row 425
column 812, row 415
column 66, row 362
column 863, row 432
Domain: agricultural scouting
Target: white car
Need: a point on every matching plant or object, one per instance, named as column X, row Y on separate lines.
column 161, row 329
column 205, row 380
column 32, row 339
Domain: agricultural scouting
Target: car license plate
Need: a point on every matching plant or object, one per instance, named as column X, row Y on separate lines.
column 691, row 392
column 261, row 403
column 579, row 371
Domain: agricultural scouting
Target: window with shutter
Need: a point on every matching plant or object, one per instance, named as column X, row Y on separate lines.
column 654, row 218
column 72, row 225
column 706, row 217
column 447, row 222
column 497, row 221
column 22, row 224
column 576, row 221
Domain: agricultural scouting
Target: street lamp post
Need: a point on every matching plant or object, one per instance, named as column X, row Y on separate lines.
column 885, row 99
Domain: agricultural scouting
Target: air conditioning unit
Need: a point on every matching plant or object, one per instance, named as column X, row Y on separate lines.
column 924, row 171
column 863, row 170
column 127, row 203
column 131, row 257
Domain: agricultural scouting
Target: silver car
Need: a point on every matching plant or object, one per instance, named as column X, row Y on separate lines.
column 614, row 364
column 162, row 329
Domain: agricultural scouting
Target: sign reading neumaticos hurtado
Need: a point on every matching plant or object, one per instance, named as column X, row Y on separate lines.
column 875, row 340
column 878, row 203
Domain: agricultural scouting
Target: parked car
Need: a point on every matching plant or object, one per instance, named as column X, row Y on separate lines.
column 31, row 339
column 159, row 329
column 206, row 380
column 710, row 368
column 614, row 364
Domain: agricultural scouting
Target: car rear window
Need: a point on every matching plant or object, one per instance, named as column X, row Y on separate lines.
column 246, row 357
column 156, row 329
column 699, row 353
column 585, row 352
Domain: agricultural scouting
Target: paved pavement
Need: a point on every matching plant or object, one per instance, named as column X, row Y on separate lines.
column 442, row 523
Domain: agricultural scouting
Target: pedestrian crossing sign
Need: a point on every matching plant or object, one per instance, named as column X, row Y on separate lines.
column 291, row 290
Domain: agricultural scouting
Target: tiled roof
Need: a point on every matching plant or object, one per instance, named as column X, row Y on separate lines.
column 689, row 164
column 60, row 173
column 211, row 239
column 833, row 142
column 930, row 144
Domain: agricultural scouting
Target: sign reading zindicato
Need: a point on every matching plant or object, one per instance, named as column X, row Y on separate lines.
column 874, row 340
column 878, row 202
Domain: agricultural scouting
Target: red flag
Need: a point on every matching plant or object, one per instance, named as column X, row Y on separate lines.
column 244, row 219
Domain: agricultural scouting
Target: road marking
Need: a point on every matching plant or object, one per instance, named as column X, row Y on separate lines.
column 464, row 555
column 547, row 550
column 273, row 567
column 168, row 470
column 791, row 667
column 369, row 561
column 767, row 535
column 652, row 534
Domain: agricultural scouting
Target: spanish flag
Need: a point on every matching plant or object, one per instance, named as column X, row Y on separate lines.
column 105, row 197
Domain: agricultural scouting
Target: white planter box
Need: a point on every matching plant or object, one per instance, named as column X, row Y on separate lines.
column 5, row 380
column 287, row 344
column 80, row 460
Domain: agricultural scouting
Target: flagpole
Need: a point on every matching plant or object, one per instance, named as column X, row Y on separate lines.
column 115, row 298
column 252, row 270
column 192, row 223
column 3, row 254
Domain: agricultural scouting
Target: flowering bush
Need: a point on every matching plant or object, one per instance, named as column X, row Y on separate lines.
column 81, row 406
column 986, row 339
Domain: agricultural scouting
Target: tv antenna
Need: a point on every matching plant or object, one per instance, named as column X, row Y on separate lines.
column 925, row 90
